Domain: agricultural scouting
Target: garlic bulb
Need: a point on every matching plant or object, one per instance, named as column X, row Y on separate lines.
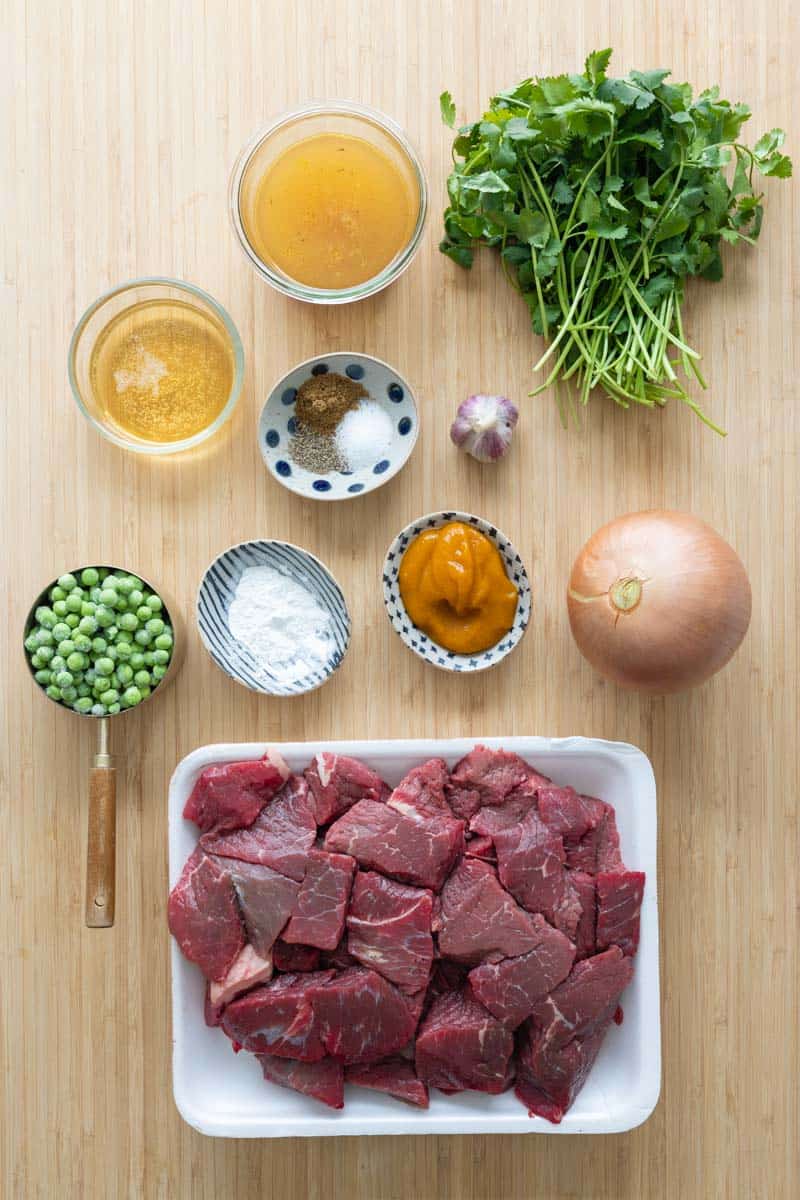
column 483, row 426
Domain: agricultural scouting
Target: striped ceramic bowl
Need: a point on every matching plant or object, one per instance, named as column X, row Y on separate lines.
column 214, row 598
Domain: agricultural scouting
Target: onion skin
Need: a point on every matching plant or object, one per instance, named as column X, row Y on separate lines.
column 658, row 602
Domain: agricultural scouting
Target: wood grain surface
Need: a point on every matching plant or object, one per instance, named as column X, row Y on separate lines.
column 120, row 123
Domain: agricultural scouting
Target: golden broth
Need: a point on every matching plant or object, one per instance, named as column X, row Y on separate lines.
column 332, row 211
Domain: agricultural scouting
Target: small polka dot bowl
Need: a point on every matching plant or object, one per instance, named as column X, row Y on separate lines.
column 277, row 426
column 290, row 677
column 418, row 641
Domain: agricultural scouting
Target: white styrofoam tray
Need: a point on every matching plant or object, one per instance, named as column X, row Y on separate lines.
column 224, row 1094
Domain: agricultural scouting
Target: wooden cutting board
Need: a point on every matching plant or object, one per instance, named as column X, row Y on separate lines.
column 120, row 124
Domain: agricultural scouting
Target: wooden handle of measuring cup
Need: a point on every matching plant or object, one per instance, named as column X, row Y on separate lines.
column 101, row 857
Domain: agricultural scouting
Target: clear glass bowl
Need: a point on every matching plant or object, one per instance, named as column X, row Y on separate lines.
column 109, row 306
column 338, row 116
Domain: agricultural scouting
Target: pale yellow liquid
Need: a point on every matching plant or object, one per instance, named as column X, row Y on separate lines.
column 162, row 370
column 332, row 211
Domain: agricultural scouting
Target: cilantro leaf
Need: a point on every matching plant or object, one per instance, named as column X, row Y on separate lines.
column 448, row 109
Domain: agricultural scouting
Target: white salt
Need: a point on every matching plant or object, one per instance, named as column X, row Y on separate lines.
column 364, row 435
column 280, row 624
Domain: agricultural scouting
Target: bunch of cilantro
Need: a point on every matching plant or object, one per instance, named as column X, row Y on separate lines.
column 603, row 196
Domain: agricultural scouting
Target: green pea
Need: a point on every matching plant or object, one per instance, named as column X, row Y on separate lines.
column 44, row 637
column 111, row 633
column 104, row 666
column 155, row 626
column 99, row 645
column 64, row 679
column 83, row 704
column 136, row 581
column 45, row 616
column 138, row 660
column 73, row 602
column 108, row 595
column 58, row 663
column 149, row 658
column 103, row 572
column 67, row 582
column 66, row 647
column 76, row 661
column 121, row 604
column 124, row 636
column 125, row 585
column 129, row 622
column 72, row 619
column 60, row 608
column 155, row 603
column 60, row 631
column 94, row 595
column 84, row 690
column 113, row 709
column 145, row 692
column 101, row 684
column 57, row 593
column 45, row 653
column 98, row 710
column 135, row 598
column 142, row 637
column 124, row 673
column 36, row 660
column 43, row 677
column 89, row 576
column 142, row 679
column 82, row 641
column 87, row 625
column 112, row 653
column 124, row 651
column 143, row 612
column 131, row 696
column 30, row 643
column 68, row 694
column 111, row 696
column 54, row 692
column 87, row 608
column 158, row 672
column 104, row 617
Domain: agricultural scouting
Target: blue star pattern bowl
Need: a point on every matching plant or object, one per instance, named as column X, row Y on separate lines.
column 276, row 426
column 217, row 591
column 418, row 641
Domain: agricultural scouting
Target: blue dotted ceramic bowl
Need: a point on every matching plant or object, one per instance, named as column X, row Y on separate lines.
column 276, row 427
column 218, row 589
column 418, row 641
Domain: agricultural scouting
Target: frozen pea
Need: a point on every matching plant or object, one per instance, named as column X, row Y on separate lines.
column 113, row 709
column 138, row 660
column 45, row 653
column 108, row 595
column 44, row 637
column 103, row 571
column 76, row 661
column 54, row 692
column 94, row 595
column 155, row 626
column 84, row 689
column 124, row 651
column 104, row 616
column 66, row 647
column 36, row 660
column 131, row 696
column 145, row 692
column 60, row 631
column 99, row 645
column 101, row 684
column 43, row 677
column 60, row 608
column 129, row 622
column 136, row 581
column 121, row 604
column 149, row 658
column 143, row 612
column 30, row 643
column 87, row 608
column 73, row 602
column 89, row 576
column 111, row 633
column 154, row 603
column 64, row 679
column 57, row 593
column 45, row 616
column 98, row 710
column 87, row 624
column 124, row 673
column 58, row 663
column 111, row 653
column 142, row 679
column 135, row 598
column 104, row 666
column 124, row 635
column 111, row 696
column 142, row 637
column 67, row 582
column 158, row 672
column 125, row 585
column 83, row 704
column 72, row 620
column 68, row 694
column 82, row 641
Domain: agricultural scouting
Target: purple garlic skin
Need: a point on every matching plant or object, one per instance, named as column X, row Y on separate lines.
column 483, row 426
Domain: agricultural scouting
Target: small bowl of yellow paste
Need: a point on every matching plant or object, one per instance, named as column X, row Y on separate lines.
column 456, row 591
column 329, row 202
column 156, row 365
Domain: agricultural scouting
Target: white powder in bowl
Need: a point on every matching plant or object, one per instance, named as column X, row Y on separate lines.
column 280, row 623
column 364, row 435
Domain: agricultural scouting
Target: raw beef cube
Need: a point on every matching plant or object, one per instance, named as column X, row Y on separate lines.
column 619, row 899
column 482, row 847
column 586, row 1000
column 318, row 917
column 487, row 776
column 530, row 862
column 389, row 929
column 204, row 917
column 395, row 1076
column 585, row 936
column 280, row 837
column 231, row 795
column 510, row 989
column 324, row 1080
column 597, row 850
column 476, row 919
column 489, row 820
column 460, row 1045
column 363, row 1018
column 294, row 958
column 549, row 1078
column 568, row 814
column 278, row 1018
column 266, row 900
column 421, row 851
column 421, row 792
column 249, row 970
column 337, row 782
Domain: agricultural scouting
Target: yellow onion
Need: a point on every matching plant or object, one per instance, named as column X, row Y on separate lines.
column 658, row 601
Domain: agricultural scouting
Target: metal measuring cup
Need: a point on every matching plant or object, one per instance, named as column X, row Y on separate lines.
column 102, row 828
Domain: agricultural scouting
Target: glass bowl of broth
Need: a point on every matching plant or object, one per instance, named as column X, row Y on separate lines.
column 156, row 365
column 329, row 202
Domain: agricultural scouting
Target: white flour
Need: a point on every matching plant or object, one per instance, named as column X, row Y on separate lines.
column 280, row 624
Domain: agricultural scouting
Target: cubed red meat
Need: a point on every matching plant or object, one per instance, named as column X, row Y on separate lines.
column 203, row 917
column 566, row 813
column 586, row 1000
column 394, row 1076
column 480, row 846
column 266, row 899
column 337, row 782
column 294, row 958
column 548, row 1077
column 490, row 819
column 487, row 777
column 389, row 929
column 421, row 792
column 460, row 1045
column 247, row 972
column 585, row 936
column 231, row 795
column 324, row 1080
column 530, row 861
column 477, row 919
column 279, row 1018
column 511, row 988
column 318, row 916
column 420, row 851
column 597, row 850
column 280, row 837
column 619, row 901
column 361, row 1017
